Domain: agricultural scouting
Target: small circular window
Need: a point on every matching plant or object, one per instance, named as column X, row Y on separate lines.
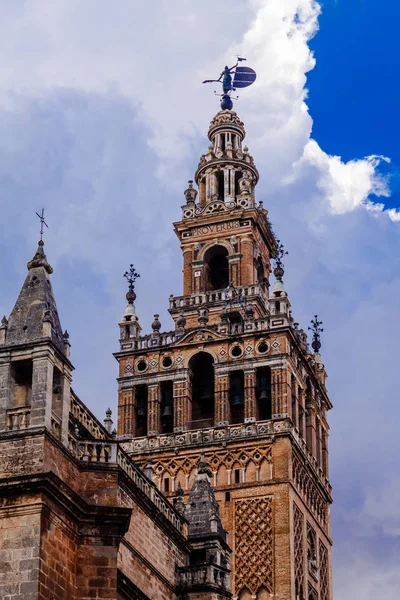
column 141, row 366
column 166, row 362
column 236, row 351
column 262, row 348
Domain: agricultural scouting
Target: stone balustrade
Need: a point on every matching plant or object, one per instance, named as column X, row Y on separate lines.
column 93, row 451
column 198, row 575
column 216, row 296
column 207, row 436
column 108, row 452
column 85, row 417
column 226, row 433
column 18, row 418
column 56, row 426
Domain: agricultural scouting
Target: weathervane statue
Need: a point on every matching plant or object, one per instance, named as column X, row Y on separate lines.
column 242, row 77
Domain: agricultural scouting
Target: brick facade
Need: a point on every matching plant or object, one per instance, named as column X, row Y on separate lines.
column 263, row 427
column 216, row 484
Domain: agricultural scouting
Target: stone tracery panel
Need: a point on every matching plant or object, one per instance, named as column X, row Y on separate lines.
column 306, row 486
column 298, row 527
column 253, row 545
column 324, row 571
column 312, row 592
column 217, row 461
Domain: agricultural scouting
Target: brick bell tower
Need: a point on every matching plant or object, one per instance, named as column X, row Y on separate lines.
column 236, row 382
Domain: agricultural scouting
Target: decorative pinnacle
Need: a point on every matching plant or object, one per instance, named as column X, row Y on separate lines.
column 317, row 330
column 277, row 258
column 179, row 505
column 42, row 222
column 190, row 193
column 131, row 277
column 202, row 466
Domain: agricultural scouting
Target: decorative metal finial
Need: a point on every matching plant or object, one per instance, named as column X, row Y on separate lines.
column 131, row 277
column 242, row 77
column 42, row 222
column 317, row 330
column 277, row 258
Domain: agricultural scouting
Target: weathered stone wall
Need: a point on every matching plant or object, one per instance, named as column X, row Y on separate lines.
column 19, row 548
column 67, row 540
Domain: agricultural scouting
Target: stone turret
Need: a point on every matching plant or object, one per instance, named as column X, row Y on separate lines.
column 207, row 575
column 35, row 372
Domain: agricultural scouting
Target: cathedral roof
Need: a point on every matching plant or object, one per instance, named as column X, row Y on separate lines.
column 201, row 509
column 35, row 306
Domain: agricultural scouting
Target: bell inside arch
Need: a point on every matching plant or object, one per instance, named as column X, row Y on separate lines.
column 237, row 401
column 141, row 411
column 168, row 412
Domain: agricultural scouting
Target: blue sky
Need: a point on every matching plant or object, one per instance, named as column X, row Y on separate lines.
column 102, row 122
column 355, row 93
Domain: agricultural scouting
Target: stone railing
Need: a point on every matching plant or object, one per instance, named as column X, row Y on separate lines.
column 206, row 436
column 56, row 426
column 84, row 416
column 155, row 339
column 198, row 575
column 214, row 435
column 98, row 451
column 216, row 296
column 94, row 451
column 150, row 490
column 18, row 418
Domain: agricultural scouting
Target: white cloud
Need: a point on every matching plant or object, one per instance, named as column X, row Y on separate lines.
column 346, row 185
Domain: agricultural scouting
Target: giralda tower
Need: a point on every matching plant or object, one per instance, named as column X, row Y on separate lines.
column 237, row 382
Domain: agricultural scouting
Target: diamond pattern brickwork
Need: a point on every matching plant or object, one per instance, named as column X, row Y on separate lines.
column 253, row 545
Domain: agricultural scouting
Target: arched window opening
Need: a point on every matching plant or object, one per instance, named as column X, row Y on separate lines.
column 221, row 186
column 22, row 374
column 312, row 552
column 56, row 399
column 325, row 452
column 295, row 404
column 167, row 406
column 260, row 272
column 302, row 414
column 309, row 428
column 236, row 396
column 238, row 175
column 141, row 410
column 263, row 393
column 217, row 268
column 202, row 375
column 198, row 556
column 318, row 442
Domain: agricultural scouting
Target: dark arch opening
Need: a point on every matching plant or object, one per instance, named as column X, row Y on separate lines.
column 141, row 410
column 260, row 272
column 217, row 268
column 236, row 396
column 202, row 375
column 263, row 393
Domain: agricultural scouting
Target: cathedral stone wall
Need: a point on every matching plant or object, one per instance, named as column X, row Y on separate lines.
column 68, row 527
column 19, row 548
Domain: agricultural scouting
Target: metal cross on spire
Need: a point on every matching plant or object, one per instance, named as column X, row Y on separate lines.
column 42, row 222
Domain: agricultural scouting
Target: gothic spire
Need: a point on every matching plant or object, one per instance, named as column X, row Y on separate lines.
column 35, row 316
column 202, row 510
